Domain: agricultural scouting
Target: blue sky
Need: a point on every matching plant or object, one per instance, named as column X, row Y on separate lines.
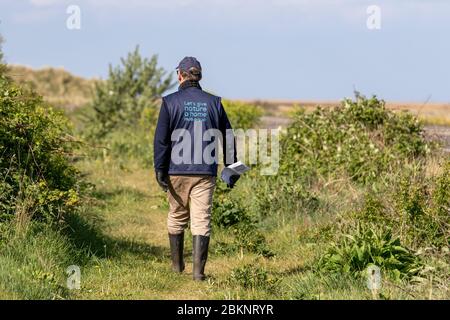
column 285, row 49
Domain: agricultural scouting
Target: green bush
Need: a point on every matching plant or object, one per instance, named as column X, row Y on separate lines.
column 131, row 90
column 415, row 208
column 242, row 115
column 123, row 113
column 228, row 211
column 38, row 180
column 360, row 139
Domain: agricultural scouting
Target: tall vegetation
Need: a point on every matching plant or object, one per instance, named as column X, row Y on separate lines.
column 122, row 115
column 360, row 139
column 131, row 89
column 39, row 187
column 242, row 115
column 38, row 180
column 363, row 172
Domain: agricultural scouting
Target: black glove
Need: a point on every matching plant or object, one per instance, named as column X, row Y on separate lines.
column 163, row 180
column 233, row 180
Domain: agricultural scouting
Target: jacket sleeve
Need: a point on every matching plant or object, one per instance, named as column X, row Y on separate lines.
column 162, row 144
column 229, row 141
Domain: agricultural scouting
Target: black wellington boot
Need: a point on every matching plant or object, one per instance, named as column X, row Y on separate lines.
column 176, row 250
column 200, row 255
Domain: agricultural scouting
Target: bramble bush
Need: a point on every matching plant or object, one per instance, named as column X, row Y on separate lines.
column 360, row 139
column 38, row 180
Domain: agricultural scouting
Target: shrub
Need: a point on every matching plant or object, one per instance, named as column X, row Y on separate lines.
column 360, row 139
column 38, row 180
column 130, row 90
column 242, row 115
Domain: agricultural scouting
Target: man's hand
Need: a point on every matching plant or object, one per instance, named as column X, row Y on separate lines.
column 163, row 180
column 233, row 180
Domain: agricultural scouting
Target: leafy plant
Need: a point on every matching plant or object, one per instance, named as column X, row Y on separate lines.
column 254, row 278
column 38, row 180
column 360, row 139
column 441, row 194
column 228, row 211
column 368, row 245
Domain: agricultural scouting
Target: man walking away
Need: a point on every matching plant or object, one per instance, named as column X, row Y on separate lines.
column 186, row 115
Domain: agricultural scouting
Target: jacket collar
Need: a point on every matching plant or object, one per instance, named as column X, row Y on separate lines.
column 188, row 83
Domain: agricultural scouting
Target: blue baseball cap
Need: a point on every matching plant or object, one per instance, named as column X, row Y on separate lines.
column 188, row 63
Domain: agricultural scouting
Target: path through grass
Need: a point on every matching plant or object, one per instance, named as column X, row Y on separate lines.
column 131, row 254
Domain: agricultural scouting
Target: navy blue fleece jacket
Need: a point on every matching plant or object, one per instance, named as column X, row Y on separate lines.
column 194, row 111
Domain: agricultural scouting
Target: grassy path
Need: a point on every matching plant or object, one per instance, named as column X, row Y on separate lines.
column 131, row 259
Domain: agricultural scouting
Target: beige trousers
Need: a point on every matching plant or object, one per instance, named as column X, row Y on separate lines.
column 190, row 196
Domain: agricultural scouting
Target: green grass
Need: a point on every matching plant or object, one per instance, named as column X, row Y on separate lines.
column 119, row 239
column 32, row 263
column 135, row 264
